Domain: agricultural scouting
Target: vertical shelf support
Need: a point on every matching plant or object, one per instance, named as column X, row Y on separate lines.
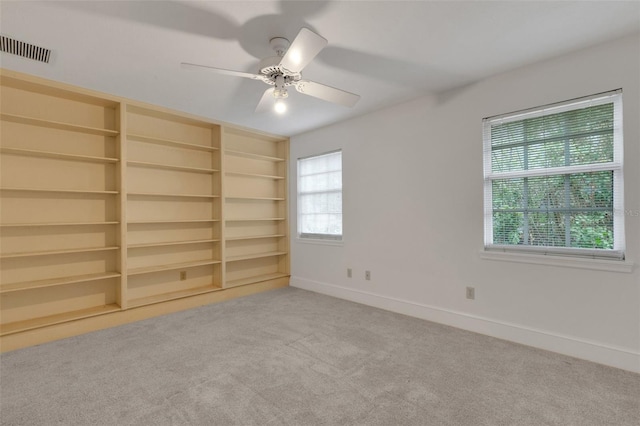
column 122, row 204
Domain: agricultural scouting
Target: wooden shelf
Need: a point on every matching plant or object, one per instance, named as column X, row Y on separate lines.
column 255, row 198
column 263, row 219
column 58, row 191
column 7, row 288
column 254, row 175
column 255, row 256
column 252, row 155
column 16, row 327
column 149, row 300
column 256, row 279
column 22, row 225
column 171, row 243
column 58, row 155
column 57, row 125
column 152, row 222
column 171, row 167
column 171, row 267
column 254, row 237
column 178, row 144
column 56, row 252
column 158, row 195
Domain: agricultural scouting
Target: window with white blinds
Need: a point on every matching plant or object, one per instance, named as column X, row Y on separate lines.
column 320, row 196
column 553, row 179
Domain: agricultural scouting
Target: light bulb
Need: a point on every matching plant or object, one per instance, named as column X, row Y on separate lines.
column 280, row 107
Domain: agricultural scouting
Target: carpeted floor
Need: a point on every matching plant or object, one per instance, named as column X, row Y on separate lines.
column 292, row 357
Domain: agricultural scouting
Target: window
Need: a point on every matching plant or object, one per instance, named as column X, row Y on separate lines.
column 320, row 196
column 553, row 179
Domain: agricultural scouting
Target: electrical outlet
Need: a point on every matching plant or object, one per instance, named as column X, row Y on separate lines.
column 349, row 273
column 183, row 275
column 471, row 293
column 367, row 275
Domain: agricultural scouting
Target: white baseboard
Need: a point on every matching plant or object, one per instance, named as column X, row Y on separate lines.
column 623, row 358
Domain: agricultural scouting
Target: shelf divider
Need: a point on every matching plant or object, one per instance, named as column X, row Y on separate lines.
column 254, row 175
column 57, row 252
column 255, row 279
column 43, row 224
column 254, row 237
column 154, row 222
column 178, row 144
column 170, row 167
column 171, row 243
column 157, row 298
column 252, row 155
column 57, row 125
column 53, row 282
column 255, row 256
column 170, row 267
column 58, row 191
column 57, row 155
column 160, row 195
column 18, row 326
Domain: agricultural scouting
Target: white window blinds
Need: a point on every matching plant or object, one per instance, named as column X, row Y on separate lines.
column 320, row 196
column 553, row 179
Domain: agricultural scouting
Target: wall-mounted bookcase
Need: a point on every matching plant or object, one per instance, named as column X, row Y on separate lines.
column 256, row 243
column 173, row 170
column 110, row 205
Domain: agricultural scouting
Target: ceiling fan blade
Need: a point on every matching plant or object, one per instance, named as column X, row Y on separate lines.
column 266, row 101
column 327, row 93
column 222, row 71
column 302, row 50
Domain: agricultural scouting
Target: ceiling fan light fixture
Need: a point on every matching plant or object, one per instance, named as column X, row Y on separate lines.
column 280, row 93
column 280, row 106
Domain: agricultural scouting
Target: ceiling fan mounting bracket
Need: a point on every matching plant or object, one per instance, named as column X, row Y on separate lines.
column 280, row 45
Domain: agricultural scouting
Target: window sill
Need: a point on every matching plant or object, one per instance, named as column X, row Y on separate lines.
column 623, row 266
column 338, row 243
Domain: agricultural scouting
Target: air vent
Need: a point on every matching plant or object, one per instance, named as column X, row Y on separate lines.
column 26, row 50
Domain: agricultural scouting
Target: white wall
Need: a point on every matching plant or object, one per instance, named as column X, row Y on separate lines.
column 413, row 215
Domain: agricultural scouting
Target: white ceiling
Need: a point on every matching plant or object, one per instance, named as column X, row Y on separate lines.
column 385, row 51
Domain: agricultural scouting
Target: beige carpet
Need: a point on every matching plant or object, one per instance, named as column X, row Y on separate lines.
column 292, row 357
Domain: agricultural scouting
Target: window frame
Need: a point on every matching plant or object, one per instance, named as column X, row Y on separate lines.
column 331, row 239
column 615, row 166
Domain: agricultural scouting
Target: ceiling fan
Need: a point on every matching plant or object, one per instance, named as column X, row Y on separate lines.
column 283, row 71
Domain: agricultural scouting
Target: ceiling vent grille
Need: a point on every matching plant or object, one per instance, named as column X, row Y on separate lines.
column 26, row 50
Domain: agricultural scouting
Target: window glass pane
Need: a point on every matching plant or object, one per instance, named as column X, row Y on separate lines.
column 507, row 159
column 591, row 149
column 592, row 190
column 508, row 228
column 321, row 182
column 546, row 229
column 545, row 155
column 592, row 230
column 320, row 196
column 507, row 193
column 583, row 136
column 546, row 192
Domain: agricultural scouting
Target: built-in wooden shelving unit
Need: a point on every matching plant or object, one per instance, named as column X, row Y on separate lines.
column 255, row 190
column 181, row 158
column 109, row 205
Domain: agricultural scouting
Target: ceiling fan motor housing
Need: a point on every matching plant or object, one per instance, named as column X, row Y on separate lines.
column 270, row 67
